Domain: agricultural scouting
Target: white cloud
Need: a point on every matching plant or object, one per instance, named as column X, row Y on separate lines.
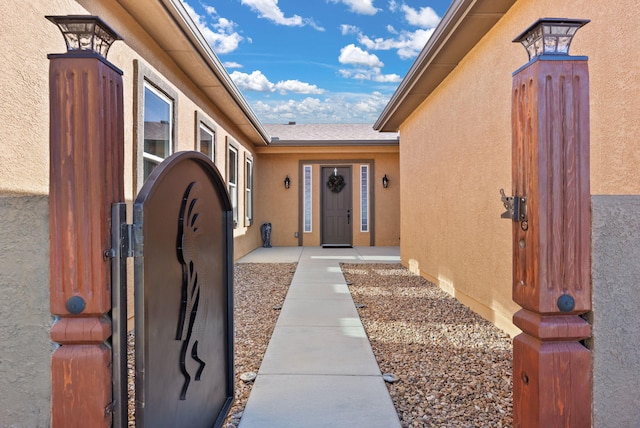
column 256, row 81
column 363, row 7
column 232, row 64
column 349, row 29
column 334, row 108
column 221, row 35
column 351, row 54
column 374, row 74
column 426, row 17
column 297, row 87
column 270, row 10
column 407, row 43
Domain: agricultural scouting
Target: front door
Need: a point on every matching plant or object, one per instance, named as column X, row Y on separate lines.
column 337, row 217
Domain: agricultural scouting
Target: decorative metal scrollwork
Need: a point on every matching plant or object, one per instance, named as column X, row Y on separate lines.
column 188, row 233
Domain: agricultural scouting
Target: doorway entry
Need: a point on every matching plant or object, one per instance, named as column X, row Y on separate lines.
column 337, row 212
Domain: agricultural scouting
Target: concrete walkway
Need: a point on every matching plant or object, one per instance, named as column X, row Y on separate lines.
column 319, row 370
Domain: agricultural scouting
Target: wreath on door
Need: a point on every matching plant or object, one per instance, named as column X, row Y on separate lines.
column 336, row 183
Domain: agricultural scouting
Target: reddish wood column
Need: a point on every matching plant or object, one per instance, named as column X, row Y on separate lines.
column 552, row 247
column 86, row 177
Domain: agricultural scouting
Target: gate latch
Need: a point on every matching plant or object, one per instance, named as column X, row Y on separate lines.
column 516, row 207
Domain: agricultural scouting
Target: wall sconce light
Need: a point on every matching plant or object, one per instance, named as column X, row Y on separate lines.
column 385, row 181
column 85, row 35
column 287, row 182
column 549, row 36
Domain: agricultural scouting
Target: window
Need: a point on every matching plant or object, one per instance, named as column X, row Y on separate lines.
column 154, row 108
column 248, row 193
column 364, row 198
column 232, row 180
column 207, row 141
column 158, row 141
column 307, row 198
column 205, row 136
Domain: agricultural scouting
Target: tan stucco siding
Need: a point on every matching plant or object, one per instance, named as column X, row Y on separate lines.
column 24, row 157
column 27, row 37
column 274, row 203
column 387, row 201
column 456, row 150
column 455, row 156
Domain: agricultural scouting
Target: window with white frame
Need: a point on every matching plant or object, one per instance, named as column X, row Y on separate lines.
column 158, row 128
column 207, row 141
column 364, row 198
column 306, row 189
column 232, row 180
column 248, row 191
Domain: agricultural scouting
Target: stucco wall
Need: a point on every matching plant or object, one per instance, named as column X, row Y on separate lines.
column 616, row 299
column 456, row 150
column 280, row 206
column 24, row 312
column 25, row 110
column 27, row 37
column 456, row 155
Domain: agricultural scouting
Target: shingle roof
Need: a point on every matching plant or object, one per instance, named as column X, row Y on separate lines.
column 355, row 133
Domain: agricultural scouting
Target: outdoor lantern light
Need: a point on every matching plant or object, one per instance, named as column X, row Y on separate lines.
column 85, row 34
column 385, row 181
column 287, row 182
column 549, row 36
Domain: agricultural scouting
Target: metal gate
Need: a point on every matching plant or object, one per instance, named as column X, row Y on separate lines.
column 182, row 244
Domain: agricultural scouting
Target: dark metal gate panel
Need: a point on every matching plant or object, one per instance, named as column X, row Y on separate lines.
column 184, row 297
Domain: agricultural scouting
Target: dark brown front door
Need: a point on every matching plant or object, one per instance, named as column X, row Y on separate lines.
column 337, row 216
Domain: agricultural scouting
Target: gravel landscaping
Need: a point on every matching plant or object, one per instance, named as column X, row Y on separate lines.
column 454, row 368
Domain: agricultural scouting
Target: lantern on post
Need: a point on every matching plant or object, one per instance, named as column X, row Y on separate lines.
column 85, row 35
column 549, row 36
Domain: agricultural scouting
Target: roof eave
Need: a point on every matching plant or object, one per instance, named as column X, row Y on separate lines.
column 235, row 107
column 213, row 61
column 315, row 143
column 461, row 28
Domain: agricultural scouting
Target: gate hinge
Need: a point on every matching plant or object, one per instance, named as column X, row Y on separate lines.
column 110, row 409
column 516, row 207
column 132, row 240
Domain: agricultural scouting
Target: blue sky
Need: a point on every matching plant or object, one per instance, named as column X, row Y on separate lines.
column 317, row 61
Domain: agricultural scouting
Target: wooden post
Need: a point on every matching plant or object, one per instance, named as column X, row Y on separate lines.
column 86, row 177
column 552, row 248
